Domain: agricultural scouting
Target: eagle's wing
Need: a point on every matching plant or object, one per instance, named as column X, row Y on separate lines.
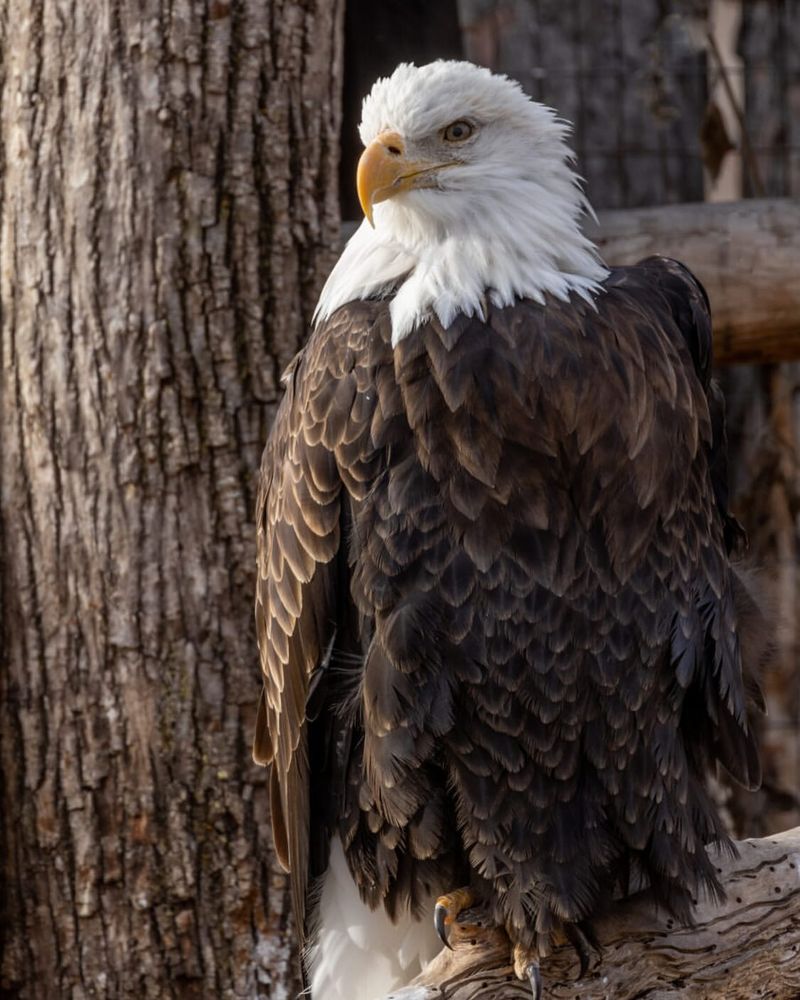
column 731, row 737
column 322, row 418
column 691, row 310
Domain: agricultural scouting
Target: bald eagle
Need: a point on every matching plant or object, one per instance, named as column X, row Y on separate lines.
column 495, row 606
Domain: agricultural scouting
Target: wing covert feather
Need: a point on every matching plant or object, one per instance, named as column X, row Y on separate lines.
column 298, row 541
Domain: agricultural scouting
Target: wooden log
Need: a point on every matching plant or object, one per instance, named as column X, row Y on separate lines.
column 745, row 947
column 746, row 253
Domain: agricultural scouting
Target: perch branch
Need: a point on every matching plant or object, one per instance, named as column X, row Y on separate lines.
column 746, row 947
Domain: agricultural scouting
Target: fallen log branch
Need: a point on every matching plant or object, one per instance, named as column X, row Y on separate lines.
column 746, row 253
column 747, row 947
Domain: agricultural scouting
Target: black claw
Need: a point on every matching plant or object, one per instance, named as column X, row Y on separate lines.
column 535, row 979
column 588, row 929
column 577, row 939
column 582, row 939
column 440, row 923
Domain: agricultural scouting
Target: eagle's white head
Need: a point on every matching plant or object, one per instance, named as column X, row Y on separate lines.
column 469, row 194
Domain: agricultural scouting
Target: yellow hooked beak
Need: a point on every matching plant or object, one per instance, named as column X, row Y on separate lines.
column 384, row 171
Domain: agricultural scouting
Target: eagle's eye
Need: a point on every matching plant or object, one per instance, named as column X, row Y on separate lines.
column 458, row 131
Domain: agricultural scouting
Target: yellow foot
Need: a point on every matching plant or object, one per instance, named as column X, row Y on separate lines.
column 580, row 936
column 446, row 913
column 526, row 967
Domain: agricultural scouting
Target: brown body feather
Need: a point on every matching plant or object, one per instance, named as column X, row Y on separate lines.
column 496, row 612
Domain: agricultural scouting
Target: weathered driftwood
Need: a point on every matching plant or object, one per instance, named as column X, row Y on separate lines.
column 747, row 947
column 746, row 253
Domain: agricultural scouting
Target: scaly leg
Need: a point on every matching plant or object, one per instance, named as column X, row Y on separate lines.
column 527, row 960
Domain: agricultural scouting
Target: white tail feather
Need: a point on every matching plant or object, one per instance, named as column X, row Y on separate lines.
column 358, row 954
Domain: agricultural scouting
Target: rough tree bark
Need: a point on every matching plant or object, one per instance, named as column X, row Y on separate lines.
column 167, row 189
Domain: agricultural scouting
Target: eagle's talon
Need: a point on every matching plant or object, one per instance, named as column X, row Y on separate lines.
column 582, row 939
column 535, row 979
column 526, row 966
column 442, row 925
column 446, row 912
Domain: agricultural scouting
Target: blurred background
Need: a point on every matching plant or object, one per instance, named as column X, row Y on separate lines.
column 671, row 101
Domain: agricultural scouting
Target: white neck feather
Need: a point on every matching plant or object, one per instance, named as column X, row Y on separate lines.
column 447, row 252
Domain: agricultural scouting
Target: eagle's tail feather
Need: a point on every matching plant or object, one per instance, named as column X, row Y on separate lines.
column 357, row 953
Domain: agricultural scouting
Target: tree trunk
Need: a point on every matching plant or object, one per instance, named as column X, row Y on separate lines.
column 168, row 176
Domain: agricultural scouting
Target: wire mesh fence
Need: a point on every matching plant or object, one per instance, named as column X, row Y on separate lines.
column 635, row 79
